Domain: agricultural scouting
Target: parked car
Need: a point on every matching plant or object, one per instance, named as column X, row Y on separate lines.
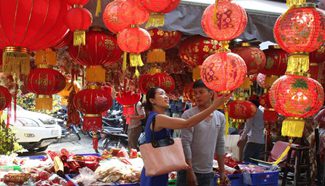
column 35, row 131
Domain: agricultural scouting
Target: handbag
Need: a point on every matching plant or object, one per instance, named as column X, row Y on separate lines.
column 163, row 156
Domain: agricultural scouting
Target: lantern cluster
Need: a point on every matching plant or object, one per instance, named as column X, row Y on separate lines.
column 298, row 31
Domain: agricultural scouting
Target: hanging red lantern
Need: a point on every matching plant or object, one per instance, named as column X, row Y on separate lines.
column 78, row 19
column 158, row 7
column 223, row 71
column 299, row 31
column 254, row 57
column 128, row 99
column 194, row 50
column 134, row 41
column 44, row 82
column 5, row 98
column 224, row 21
column 296, row 97
column 164, row 81
column 276, row 61
column 145, row 84
column 160, row 41
column 92, row 102
column 25, row 22
column 101, row 49
column 112, row 17
column 241, row 109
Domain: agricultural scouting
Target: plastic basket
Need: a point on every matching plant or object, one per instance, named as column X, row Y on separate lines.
column 235, row 179
column 263, row 179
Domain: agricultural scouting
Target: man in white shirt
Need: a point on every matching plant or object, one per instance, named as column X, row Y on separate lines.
column 135, row 128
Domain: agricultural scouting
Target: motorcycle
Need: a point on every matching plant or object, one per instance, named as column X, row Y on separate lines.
column 114, row 137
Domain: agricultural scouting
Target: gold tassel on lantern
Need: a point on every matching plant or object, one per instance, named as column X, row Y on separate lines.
column 79, row 37
column 98, row 8
column 43, row 102
column 16, row 60
column 156, row 56
column 293, row 127
column 298, row 64
column 136, row 61
column 226, row 118
column 125, row 58
column 95, row 74
column 291, row 3
column 45, row 58
column 156, row 20
column 196, row 73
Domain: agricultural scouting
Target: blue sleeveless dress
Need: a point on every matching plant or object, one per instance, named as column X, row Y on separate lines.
column 161, row 180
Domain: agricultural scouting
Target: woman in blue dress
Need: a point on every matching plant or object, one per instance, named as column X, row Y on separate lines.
column 156, row 104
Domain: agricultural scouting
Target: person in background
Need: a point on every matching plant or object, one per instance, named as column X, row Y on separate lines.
column 254, row 132
column 202, row 141
column 135, row 128
column 156, row 105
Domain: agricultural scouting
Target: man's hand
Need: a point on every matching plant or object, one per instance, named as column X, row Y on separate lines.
column 191, row 178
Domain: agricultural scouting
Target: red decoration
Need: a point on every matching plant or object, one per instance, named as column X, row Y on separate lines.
column 276, row 61
column 300, row 29
column 241, row 109
column 145, row 84
column 254, row 58
column 164, row 81
column 132, row 12
column 92, row 102
column 158, row 5
column 25, row 22
column 101, row 49
column 5, row 98
column 296, row 96
column 78, row 19
column 77, row 2
column 45, row 81
column 134, row 40
column 173, row 5
column 194, row 50
column 164, row 39
column 128, row 100
column 265, row 101
column 225, row 23
column 112, row 17
column 270, row 116
column 223, row 71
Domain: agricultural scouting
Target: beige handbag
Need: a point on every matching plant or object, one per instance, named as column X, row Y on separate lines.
column 163, row 156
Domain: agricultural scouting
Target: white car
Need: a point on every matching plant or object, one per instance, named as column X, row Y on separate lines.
column 35, row 131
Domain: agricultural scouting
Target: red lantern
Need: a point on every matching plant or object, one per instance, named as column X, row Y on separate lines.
column 78, row 20
column 134, row 41
column 112, row 17
column 160, row 41
column 276, row 61
column 145, row 84
column 78, row 2
column 223, row 71
column 156, row 5
column 100, row 49
column 5, row 98
column 254, row 57
column 296, row 97
column 270, row 116
column 300, row 29
column 226, row 22
column 128, row 99
column 132, row 12
column 92, row 102
column 173, row 5
column 25, row 22
column 194, row 50
column 164, row 81
column 44, row 82
column 241, row 109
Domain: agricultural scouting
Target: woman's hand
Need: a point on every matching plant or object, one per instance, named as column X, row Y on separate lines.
column 219, row 99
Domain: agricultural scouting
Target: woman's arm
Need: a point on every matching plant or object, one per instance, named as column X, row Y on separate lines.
column 163, row 121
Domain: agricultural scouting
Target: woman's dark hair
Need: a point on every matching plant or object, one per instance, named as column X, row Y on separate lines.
column 150, row 94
